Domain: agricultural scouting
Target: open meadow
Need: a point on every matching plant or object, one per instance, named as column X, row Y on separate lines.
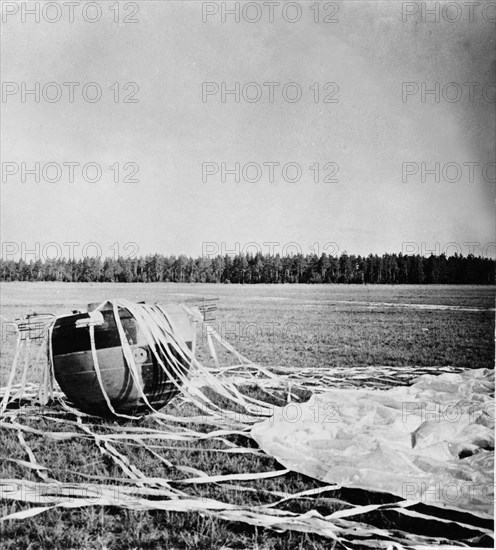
column 299, row 326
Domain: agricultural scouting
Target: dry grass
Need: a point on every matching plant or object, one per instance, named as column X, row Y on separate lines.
column 298, row 326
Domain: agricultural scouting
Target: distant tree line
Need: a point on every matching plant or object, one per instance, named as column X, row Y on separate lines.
column 259, row 268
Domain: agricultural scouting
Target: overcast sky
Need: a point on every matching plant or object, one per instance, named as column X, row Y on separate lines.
column 170, row 131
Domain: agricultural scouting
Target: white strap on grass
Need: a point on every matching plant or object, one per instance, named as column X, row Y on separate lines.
column 10, row 381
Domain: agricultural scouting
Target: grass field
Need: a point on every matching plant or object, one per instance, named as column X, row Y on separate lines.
column 300, row 326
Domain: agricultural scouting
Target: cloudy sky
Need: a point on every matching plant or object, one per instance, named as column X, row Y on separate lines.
column 170, row 131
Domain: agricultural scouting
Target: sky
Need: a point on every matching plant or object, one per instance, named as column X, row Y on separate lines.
column 378, row 133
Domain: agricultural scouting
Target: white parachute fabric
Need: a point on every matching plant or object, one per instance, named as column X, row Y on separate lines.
column 432, row 442
column 354, row 436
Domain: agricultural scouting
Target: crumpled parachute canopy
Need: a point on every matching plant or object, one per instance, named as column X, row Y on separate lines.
column 432, row 442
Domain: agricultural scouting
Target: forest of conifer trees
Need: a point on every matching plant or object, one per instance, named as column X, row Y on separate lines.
column 259, row 268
